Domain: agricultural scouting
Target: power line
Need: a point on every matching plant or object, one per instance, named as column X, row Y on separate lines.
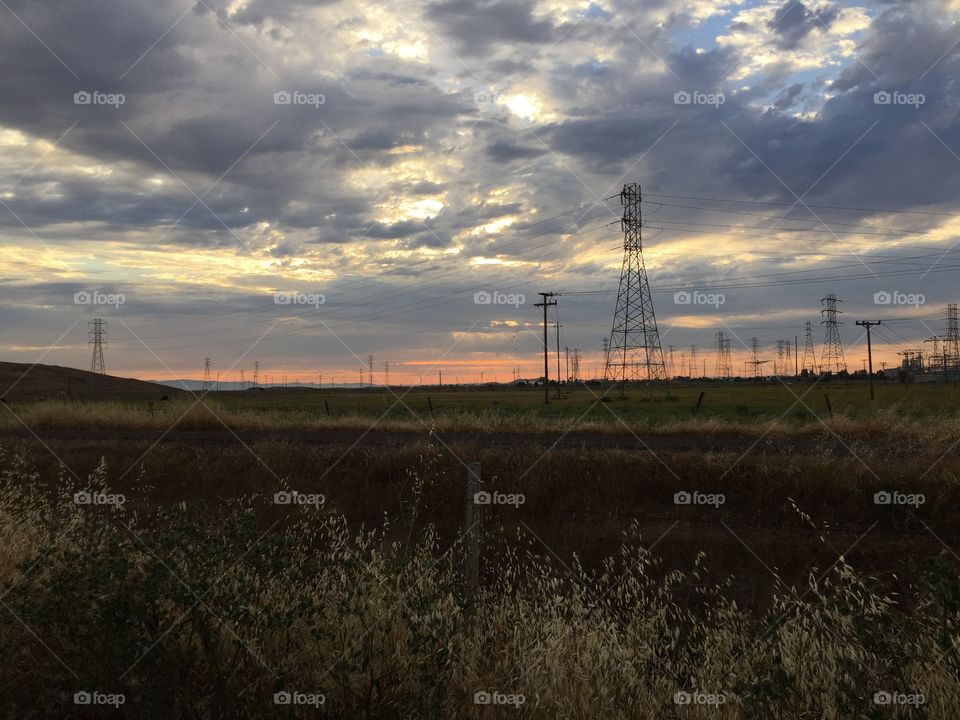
column 805, row 204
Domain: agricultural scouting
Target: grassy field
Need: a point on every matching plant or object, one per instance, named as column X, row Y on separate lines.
column 796, row 596
column 734, row 407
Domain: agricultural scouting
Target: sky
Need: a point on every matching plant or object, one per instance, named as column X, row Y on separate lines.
column 305, row 183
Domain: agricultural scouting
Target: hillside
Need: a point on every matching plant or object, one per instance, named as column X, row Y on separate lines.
column 20, row 381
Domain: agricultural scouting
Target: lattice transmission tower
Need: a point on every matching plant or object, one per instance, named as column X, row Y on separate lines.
column 634, row 351
column 809, row 356
column 724, row 367
column 832, row 359
column 951, row 341
column 782, row 363
column 206, row 374
column 97, row 333
column 755, row 357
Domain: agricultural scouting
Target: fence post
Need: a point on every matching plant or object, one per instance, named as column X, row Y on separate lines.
column 829, row 406
column 471, row 529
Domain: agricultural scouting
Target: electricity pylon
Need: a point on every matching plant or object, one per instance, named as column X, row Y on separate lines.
column 809, row 356
column 634, row 351
column 97, row 332
column 832, row 358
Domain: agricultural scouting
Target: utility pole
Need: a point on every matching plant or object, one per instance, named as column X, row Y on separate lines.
column 546, row 304
column 868, row 325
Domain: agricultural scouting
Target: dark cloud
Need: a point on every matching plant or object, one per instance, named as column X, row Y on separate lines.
column 794, row 21
column 503, row 151
column 476, row 25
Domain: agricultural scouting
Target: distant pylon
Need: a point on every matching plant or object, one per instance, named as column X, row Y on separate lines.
column 370, row 367
column 809, row 356
column 755, row 356
column 256, row 372
column 206, row 374
column 951, row 341
column 386, row 373
column 782, row 357
column 832, row 358
column 724, row 367
column 635, row 352
column 97, row 333
column 692, row 367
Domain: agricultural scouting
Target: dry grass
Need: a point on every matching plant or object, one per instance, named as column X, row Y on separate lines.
column 209, row 415
column 383, row 628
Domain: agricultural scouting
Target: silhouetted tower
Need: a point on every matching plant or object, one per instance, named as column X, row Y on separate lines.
column 256, row 373
column 724, row 367
column 206, row 374
column 605, row 350
column 97, row 333
column 782, row 357
column 634, row 350
column 951, row 341
column 755, row 360
column 575, row 365
column 370, row 368
column 692, row 367
column 832, row 358
column 386, row 372
column 809, row 356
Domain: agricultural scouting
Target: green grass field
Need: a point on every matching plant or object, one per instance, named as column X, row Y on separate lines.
column 736, row 402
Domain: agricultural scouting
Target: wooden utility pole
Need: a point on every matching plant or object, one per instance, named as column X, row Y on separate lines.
column 868, row 325
column 546, row 343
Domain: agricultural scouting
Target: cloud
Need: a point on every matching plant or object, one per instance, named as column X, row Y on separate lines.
column 399, row 177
